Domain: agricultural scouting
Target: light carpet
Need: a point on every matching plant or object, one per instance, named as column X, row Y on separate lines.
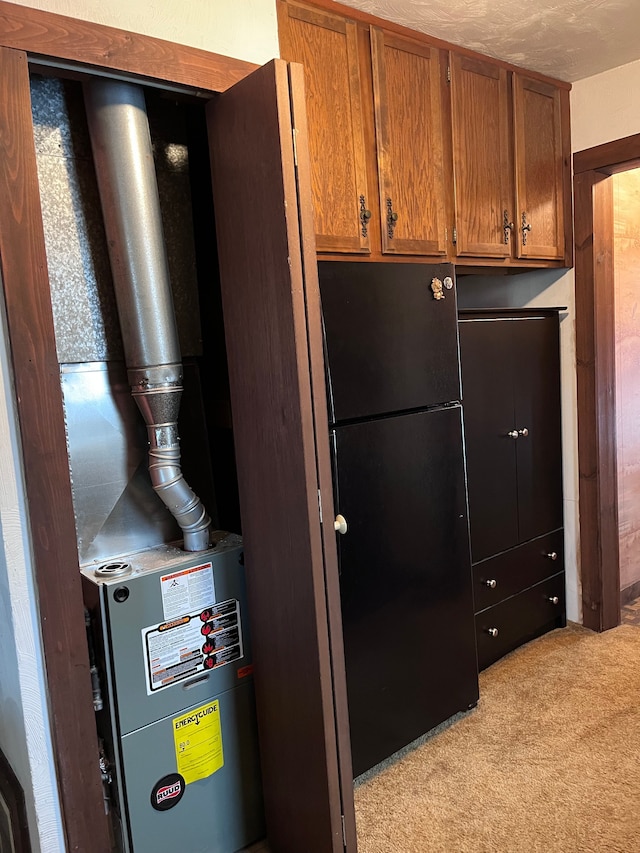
column 548, row 761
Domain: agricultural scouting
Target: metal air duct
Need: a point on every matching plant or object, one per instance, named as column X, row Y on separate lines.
column 123, row 158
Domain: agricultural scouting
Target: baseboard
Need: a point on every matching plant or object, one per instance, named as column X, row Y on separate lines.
column 629, row 593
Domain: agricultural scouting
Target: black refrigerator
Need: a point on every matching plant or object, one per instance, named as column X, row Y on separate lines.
column 393, row 387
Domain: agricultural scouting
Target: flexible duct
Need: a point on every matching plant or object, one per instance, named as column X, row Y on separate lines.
column 123, row 158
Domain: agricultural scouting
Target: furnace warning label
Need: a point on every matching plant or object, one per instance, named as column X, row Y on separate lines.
column 198, row 741
column 197, row 642
column 187, row 590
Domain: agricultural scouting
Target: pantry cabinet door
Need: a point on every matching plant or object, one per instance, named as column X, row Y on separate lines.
column 482, row 157
column 539, row 165
column 268, row 275
column 326, row 45
column 407, row 86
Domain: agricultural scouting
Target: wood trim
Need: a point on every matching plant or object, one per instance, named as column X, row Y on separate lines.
column 58, row 37
column 565, row 131
column 609, row 158
column 495, row 266
column 595, row 354
column 373, row 20
column 46, row 466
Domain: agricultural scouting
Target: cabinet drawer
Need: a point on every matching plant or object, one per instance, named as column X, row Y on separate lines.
column 519, row 619
column 512, row 571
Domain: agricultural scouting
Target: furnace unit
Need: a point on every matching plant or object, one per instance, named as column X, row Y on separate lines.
column 171, row 641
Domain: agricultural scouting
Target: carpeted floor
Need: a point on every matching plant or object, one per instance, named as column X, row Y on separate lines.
column 549, row 761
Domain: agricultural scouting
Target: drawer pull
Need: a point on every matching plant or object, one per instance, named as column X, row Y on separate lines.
column 554, row 599
column 492, row 632
column 552, row 555
column 492, row 584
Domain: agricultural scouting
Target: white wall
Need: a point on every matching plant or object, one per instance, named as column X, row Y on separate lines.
column 245, row 29
column 25, row 736
column 605, row 107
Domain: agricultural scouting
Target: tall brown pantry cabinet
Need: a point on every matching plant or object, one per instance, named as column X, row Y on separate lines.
column 511, row 401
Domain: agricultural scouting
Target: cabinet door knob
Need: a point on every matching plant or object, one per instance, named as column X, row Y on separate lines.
column 365, row 216
column 492, row 584
column 552, row 555
column 554, row 599
column 392, row 218
column 513, row 433
column 340, row 524
column 507, row 227
column 492, row 632
column 523, row 432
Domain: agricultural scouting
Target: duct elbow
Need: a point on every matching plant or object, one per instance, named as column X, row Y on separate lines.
column 171, row 487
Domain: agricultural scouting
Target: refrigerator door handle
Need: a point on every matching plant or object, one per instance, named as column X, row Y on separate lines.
column 340, row 524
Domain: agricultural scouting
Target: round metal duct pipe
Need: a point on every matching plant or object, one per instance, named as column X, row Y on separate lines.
column 123, row 157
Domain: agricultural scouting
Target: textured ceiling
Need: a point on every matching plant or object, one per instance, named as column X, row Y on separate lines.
column 566, row 39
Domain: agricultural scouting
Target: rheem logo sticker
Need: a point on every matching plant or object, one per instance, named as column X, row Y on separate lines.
column 167, row 792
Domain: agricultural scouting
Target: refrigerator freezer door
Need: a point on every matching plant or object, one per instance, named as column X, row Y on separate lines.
column 391, row 338
column 405, row 579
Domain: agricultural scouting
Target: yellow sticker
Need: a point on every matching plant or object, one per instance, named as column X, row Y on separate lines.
column 198, row 742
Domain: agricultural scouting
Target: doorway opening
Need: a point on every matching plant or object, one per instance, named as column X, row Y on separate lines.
column 626, row 264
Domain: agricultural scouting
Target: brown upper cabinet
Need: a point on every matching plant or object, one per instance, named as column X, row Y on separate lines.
column 327, row 47
column 413, row 184
column 481, row 157
column 421, row 151
column 537, row 119
column 507, row 161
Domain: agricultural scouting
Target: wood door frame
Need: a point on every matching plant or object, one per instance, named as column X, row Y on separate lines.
column 32, row 37
column 595, row 355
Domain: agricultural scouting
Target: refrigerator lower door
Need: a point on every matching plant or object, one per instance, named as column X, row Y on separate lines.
column 405, row 579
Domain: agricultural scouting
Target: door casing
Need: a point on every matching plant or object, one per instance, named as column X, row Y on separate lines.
column 595, row 353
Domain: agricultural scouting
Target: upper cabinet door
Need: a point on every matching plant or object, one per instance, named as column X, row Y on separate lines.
column 481, row 155
column 407, row 86
column 539, row 169
column 327, row 47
